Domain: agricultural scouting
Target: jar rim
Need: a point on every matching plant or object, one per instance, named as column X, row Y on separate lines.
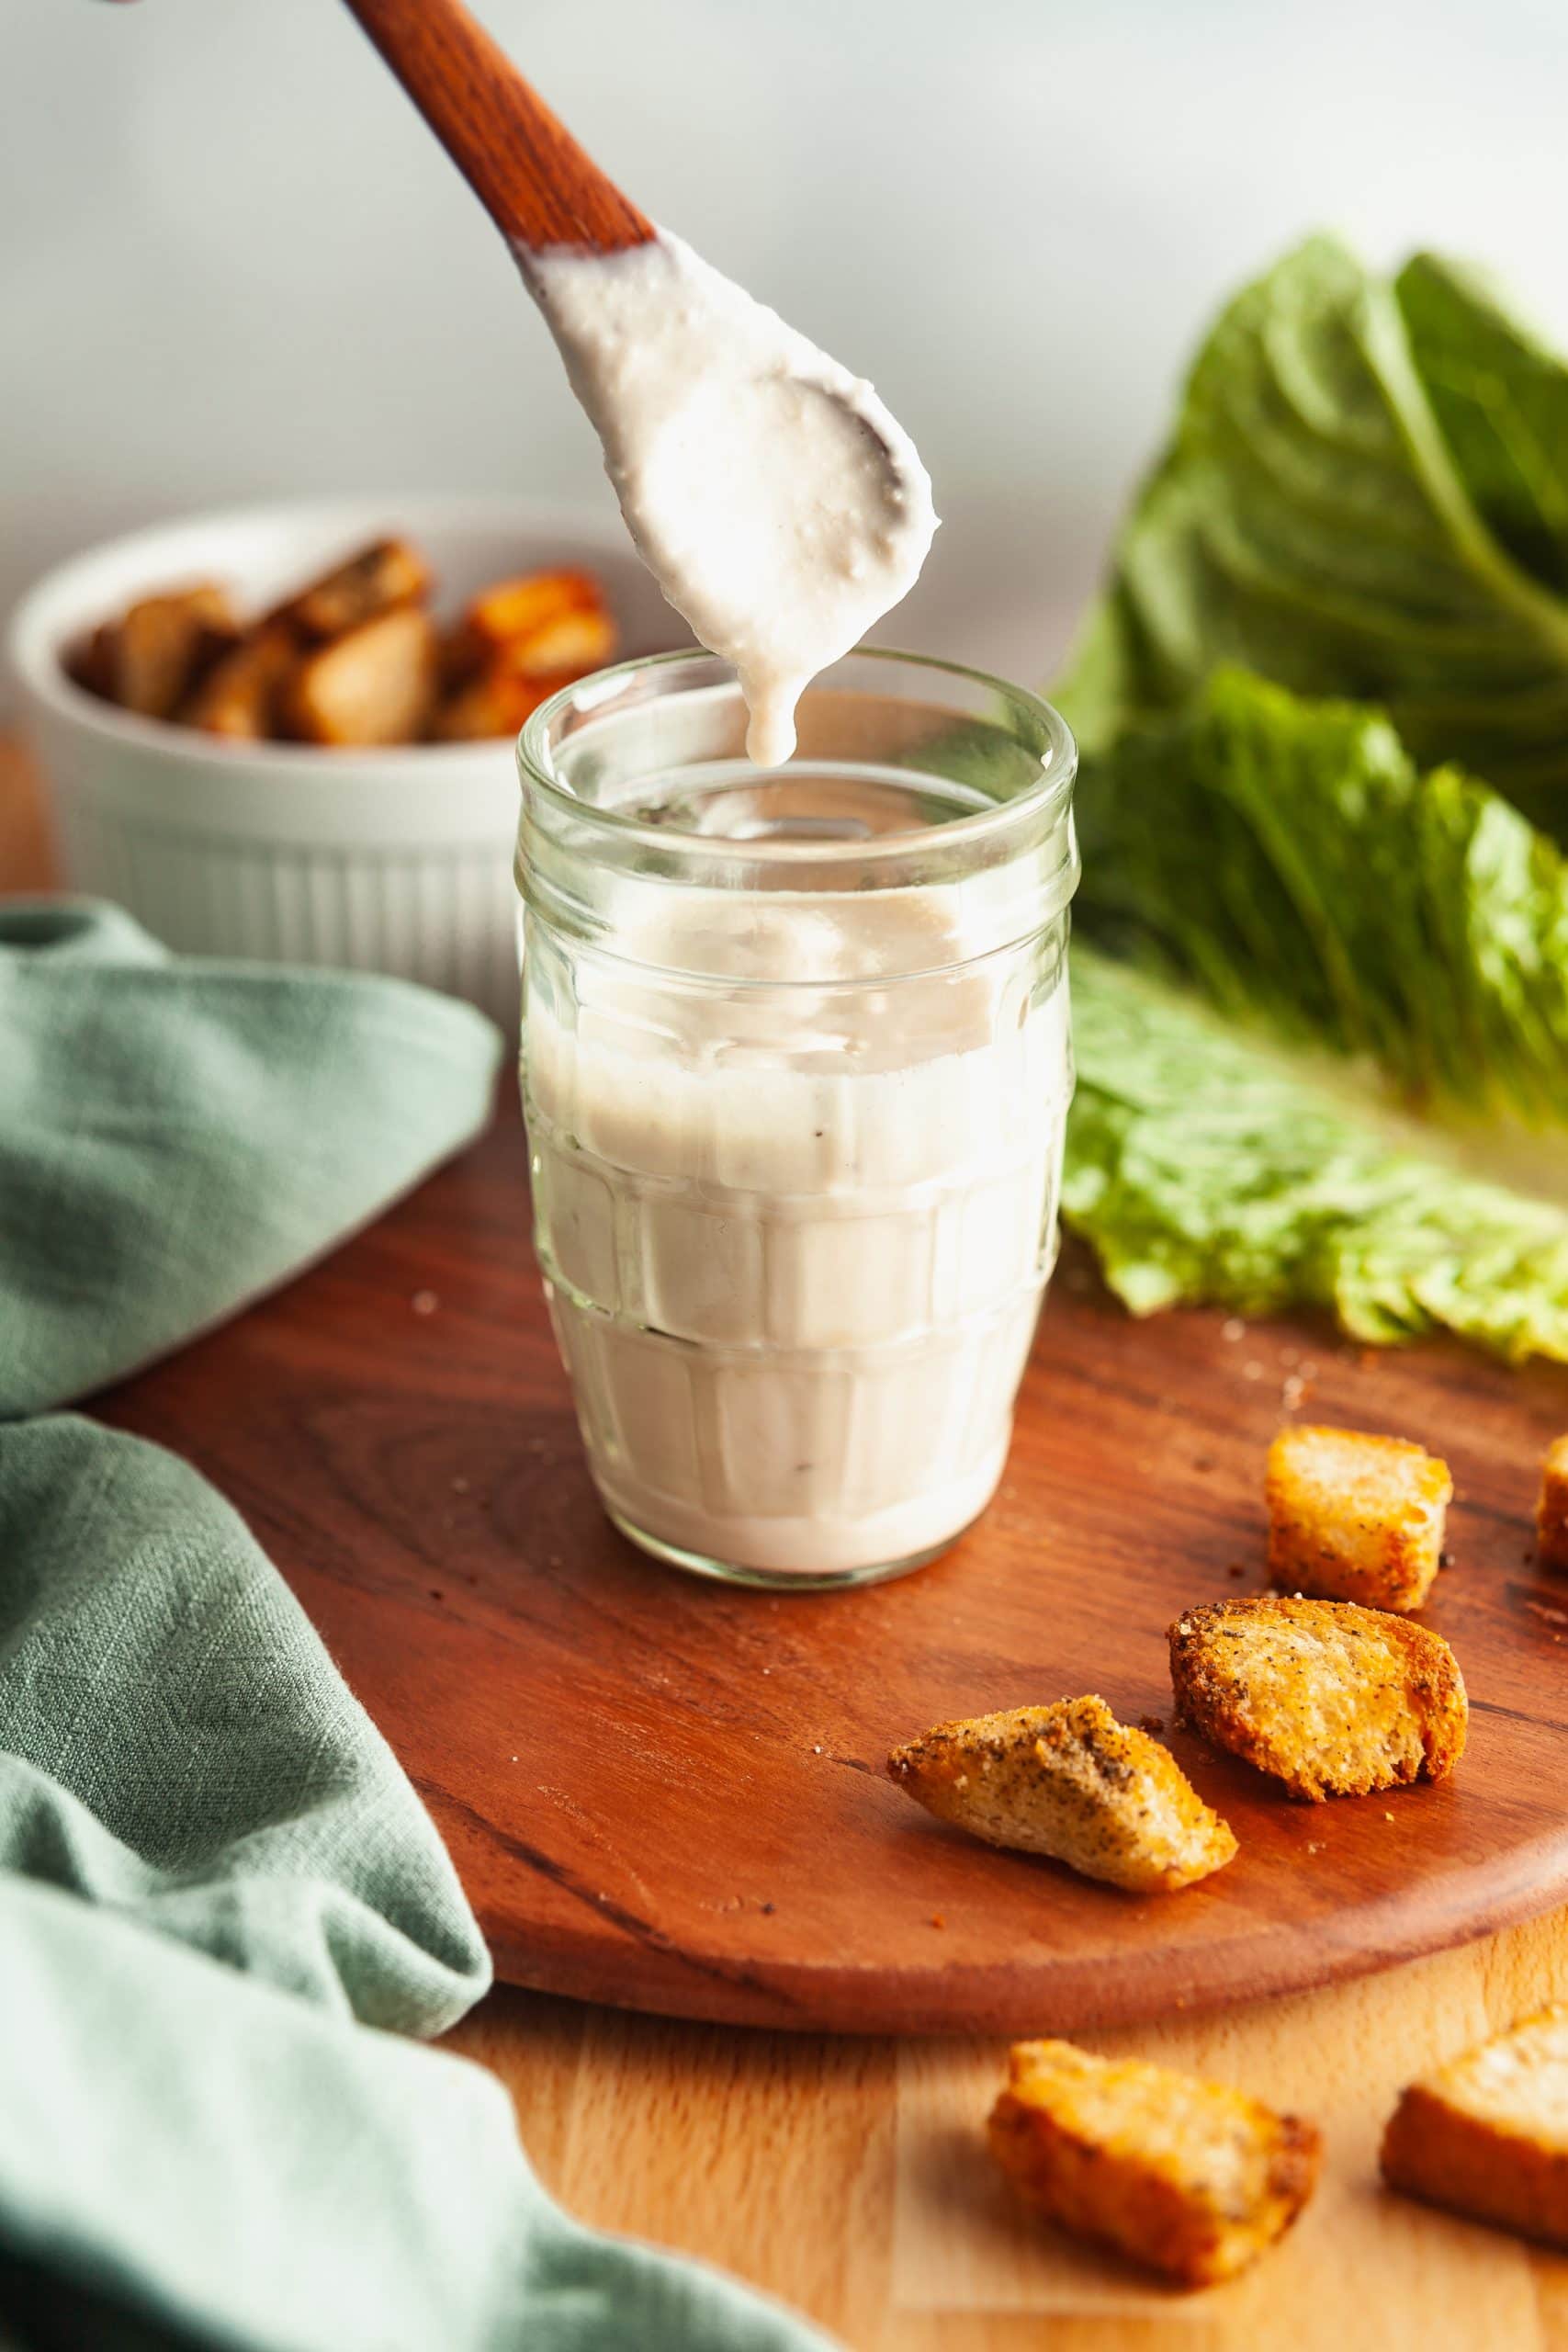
column 1057, row 770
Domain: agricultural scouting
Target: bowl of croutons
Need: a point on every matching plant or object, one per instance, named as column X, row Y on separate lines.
column 287, row 732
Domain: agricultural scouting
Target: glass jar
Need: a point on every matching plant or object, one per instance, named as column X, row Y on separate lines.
column 796, row 1073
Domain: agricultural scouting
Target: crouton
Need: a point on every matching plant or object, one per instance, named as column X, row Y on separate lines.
column 563, row 648
column 511, row 610
column 89, row 664
column 374, row 685
column 1552, row 1511
column 147, row 660
column 1487, row 2135
column 1189, row 2178
column 543, row 629
column 378, row 578
column 1070, row 1782
column 1355, row 1517
column 1332, row 1699
column 238, row 695
column 487, row 707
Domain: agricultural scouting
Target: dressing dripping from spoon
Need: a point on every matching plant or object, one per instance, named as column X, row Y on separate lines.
column 778, row 504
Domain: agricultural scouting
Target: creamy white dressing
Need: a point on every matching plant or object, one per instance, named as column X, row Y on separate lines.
column 780, row 506
column 797, row 1241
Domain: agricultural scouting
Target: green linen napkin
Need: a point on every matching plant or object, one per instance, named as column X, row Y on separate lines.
column 206, row 2161
column 179, row 1746
column 218, row 1890
column 176, row 1138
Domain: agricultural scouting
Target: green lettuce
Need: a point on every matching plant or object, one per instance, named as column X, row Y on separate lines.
column 1365, row 496
column 1205, row 1168
column 1324, row 708
column 1500, row 396
column 1289, row 859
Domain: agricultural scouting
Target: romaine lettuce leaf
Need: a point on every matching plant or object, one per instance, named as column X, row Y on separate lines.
column 1205, row 1168
column 1289, row 859
column 1500, row 396
column 1312, row 520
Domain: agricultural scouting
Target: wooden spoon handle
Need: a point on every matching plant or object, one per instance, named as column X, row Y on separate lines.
column 536, row 182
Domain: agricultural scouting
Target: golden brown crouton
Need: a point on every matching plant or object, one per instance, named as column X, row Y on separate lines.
column 1069, row 1781
column 378, row 578
column 147, row 660
column 519, row 640
column 1355, row 1517
column 1487, row 2135
column 563, row 648
column 486, row 707
column 375, row 684
column 1189, row 2178
column 238, row 695
column 1332, row 1699
column 510, row 611
column 89, row 664
column 1552, row 1511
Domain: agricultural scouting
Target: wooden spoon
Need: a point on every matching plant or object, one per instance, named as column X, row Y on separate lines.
column 537, row 185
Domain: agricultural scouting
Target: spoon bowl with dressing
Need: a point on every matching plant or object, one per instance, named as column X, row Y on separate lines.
column 780, row 506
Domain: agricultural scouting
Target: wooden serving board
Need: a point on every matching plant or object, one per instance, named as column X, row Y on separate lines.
column 670, row 1795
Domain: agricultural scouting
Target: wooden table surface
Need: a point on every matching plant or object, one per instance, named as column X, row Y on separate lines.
column 847, row 2176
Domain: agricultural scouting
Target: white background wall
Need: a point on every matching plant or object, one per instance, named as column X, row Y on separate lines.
column 233, row 263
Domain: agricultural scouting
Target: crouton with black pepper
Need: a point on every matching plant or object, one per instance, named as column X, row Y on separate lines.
column 1487, row 2135
column 1070, row 1782
column 1355, row 1517
column 1332, row 1699
column 1551, row 1510
column 1189, row 2178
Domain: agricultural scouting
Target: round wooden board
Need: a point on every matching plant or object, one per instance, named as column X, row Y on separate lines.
column 668, row 1796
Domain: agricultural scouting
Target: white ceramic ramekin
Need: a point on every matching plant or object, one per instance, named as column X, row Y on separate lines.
column 391, row 860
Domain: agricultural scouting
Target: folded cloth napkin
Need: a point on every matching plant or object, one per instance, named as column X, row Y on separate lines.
column 177, row 1138
column 218, row 1891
